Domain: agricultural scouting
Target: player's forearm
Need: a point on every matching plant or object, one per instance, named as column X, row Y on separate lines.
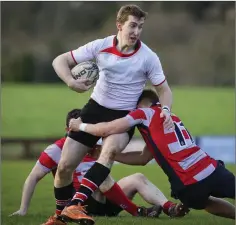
column 27, row 193
column 62, row 68
column 100, row 129
column 105, row 129
column 165, row 95
column 131, row 158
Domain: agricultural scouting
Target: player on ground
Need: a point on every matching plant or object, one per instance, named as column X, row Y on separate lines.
column 97, row 204
column 196, row 179
column 125, row 64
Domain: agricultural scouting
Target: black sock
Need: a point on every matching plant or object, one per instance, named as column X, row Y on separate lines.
column 97, row 173
column 63, row 196
column 91, row 181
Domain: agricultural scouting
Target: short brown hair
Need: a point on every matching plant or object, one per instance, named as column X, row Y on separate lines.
column 130, row 10
column 150, row 95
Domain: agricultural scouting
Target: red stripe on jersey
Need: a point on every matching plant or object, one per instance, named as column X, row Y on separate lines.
column 138, row 114
column 175, row 160
column 186, row 153
column 185, row 177
column 175, row 118
column 170, row 137
column 160, row 83
column 46, row 161
column 199, row 166
column 188, row 176
column 88, row 158
column 60, row 143
column 73, row 57
column 113, row 50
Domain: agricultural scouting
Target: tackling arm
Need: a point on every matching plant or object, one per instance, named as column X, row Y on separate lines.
column 135, row 157
column 101, row 129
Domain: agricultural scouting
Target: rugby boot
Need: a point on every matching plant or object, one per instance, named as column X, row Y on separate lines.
column 54, row 220
column 76, row 214
column 153, row 211
column 177, row 210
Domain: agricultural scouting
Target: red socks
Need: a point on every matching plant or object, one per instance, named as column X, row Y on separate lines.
column 117, row 196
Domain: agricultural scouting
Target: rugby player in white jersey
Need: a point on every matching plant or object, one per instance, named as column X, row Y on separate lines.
column 125, row 64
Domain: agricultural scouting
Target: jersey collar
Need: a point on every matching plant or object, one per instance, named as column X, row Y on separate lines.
column 115, row 42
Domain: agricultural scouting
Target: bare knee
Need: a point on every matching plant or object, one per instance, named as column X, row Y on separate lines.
column 139, row 178
column 115, row 143
column 65, row 169
column 131, row 184
column 136, row 180
column 112, row 145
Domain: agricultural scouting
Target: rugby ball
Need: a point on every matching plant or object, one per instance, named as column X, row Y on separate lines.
column 87, row 70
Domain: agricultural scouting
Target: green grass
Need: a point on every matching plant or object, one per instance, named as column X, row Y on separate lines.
column 40, row 110
column 42, row 205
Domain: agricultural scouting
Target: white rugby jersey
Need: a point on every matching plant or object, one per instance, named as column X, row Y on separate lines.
column 122, row 77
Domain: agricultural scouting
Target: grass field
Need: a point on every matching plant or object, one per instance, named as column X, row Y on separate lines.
column 39, row 110
column 42, row 204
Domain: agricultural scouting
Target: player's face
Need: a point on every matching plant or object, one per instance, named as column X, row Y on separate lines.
column 131, row 30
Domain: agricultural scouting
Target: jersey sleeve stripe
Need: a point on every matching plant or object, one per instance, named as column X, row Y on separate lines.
column 53, row 152
column 72, row 55
column 47, row 161
column 44, row 168
column 160, row 83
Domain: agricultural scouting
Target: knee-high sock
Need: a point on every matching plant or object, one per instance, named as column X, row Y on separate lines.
column 118, row 197
column 63, row 196
column 91, row 181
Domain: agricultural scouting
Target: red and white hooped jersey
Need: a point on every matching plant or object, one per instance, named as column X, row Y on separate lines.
column 175, row 151
column 122, row 77
column 50, row 157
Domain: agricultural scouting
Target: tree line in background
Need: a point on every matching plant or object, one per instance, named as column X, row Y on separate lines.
column 194, row 40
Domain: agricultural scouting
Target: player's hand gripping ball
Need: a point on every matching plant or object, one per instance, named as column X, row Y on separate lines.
column 87, row 70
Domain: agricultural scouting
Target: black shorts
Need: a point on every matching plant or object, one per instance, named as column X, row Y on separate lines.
column 93, row 113
column 220, row 184
column 95, row 208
